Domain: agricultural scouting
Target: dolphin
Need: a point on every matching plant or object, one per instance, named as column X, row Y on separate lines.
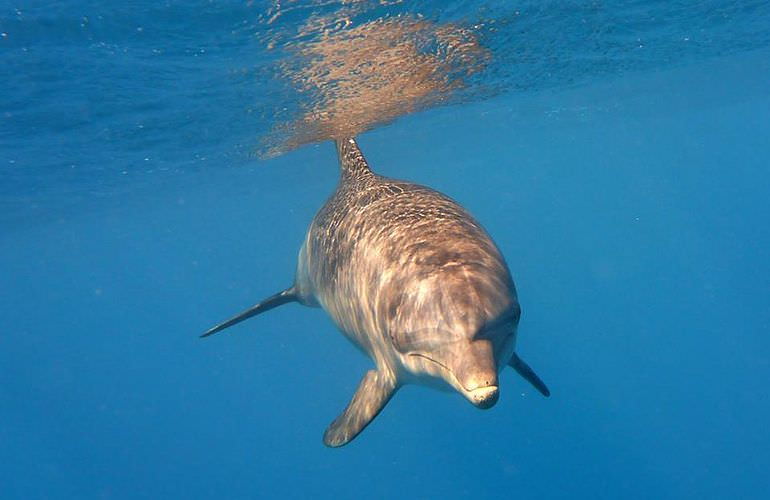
column 414, row 282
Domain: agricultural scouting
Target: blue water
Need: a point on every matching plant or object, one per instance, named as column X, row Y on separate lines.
column 618, row 153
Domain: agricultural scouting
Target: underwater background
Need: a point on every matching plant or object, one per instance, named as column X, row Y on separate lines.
column 161, row 161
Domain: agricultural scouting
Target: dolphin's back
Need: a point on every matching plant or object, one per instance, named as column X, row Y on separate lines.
column 378, row 244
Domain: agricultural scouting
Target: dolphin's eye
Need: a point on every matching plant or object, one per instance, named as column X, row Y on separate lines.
column 510, row 319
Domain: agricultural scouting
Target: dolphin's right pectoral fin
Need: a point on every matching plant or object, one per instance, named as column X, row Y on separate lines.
column 374, row 392
column 529, row 374
column 280, row 298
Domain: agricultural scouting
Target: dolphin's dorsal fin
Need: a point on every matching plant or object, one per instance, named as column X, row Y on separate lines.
column 373, row 393
column 352, row 162
column 284, row 297
column 529, row 374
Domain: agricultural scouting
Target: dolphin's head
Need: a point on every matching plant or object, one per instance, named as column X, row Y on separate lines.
column 463, row 335
column 468, row 361
column 470, row 367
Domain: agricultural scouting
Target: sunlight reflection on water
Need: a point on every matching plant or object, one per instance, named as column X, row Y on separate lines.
column 351, row 78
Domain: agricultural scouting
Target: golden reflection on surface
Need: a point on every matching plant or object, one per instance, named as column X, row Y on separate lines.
column 352, row 78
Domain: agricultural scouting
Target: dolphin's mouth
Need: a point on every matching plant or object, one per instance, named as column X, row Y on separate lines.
column 480, row 397
column 484, row 397
column 442, row 365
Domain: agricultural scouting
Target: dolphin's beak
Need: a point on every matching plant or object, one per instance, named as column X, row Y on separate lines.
column 477, row 374
column 484, row 397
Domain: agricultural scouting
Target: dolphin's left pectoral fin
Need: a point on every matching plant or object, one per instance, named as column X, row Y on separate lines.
column 529, row 374
column 374, row 392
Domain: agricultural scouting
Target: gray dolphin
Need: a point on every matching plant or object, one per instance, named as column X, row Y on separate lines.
column 414, row 282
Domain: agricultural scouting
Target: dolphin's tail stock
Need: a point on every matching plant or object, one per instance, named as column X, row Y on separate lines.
column 352, row 162
column 284, row 297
